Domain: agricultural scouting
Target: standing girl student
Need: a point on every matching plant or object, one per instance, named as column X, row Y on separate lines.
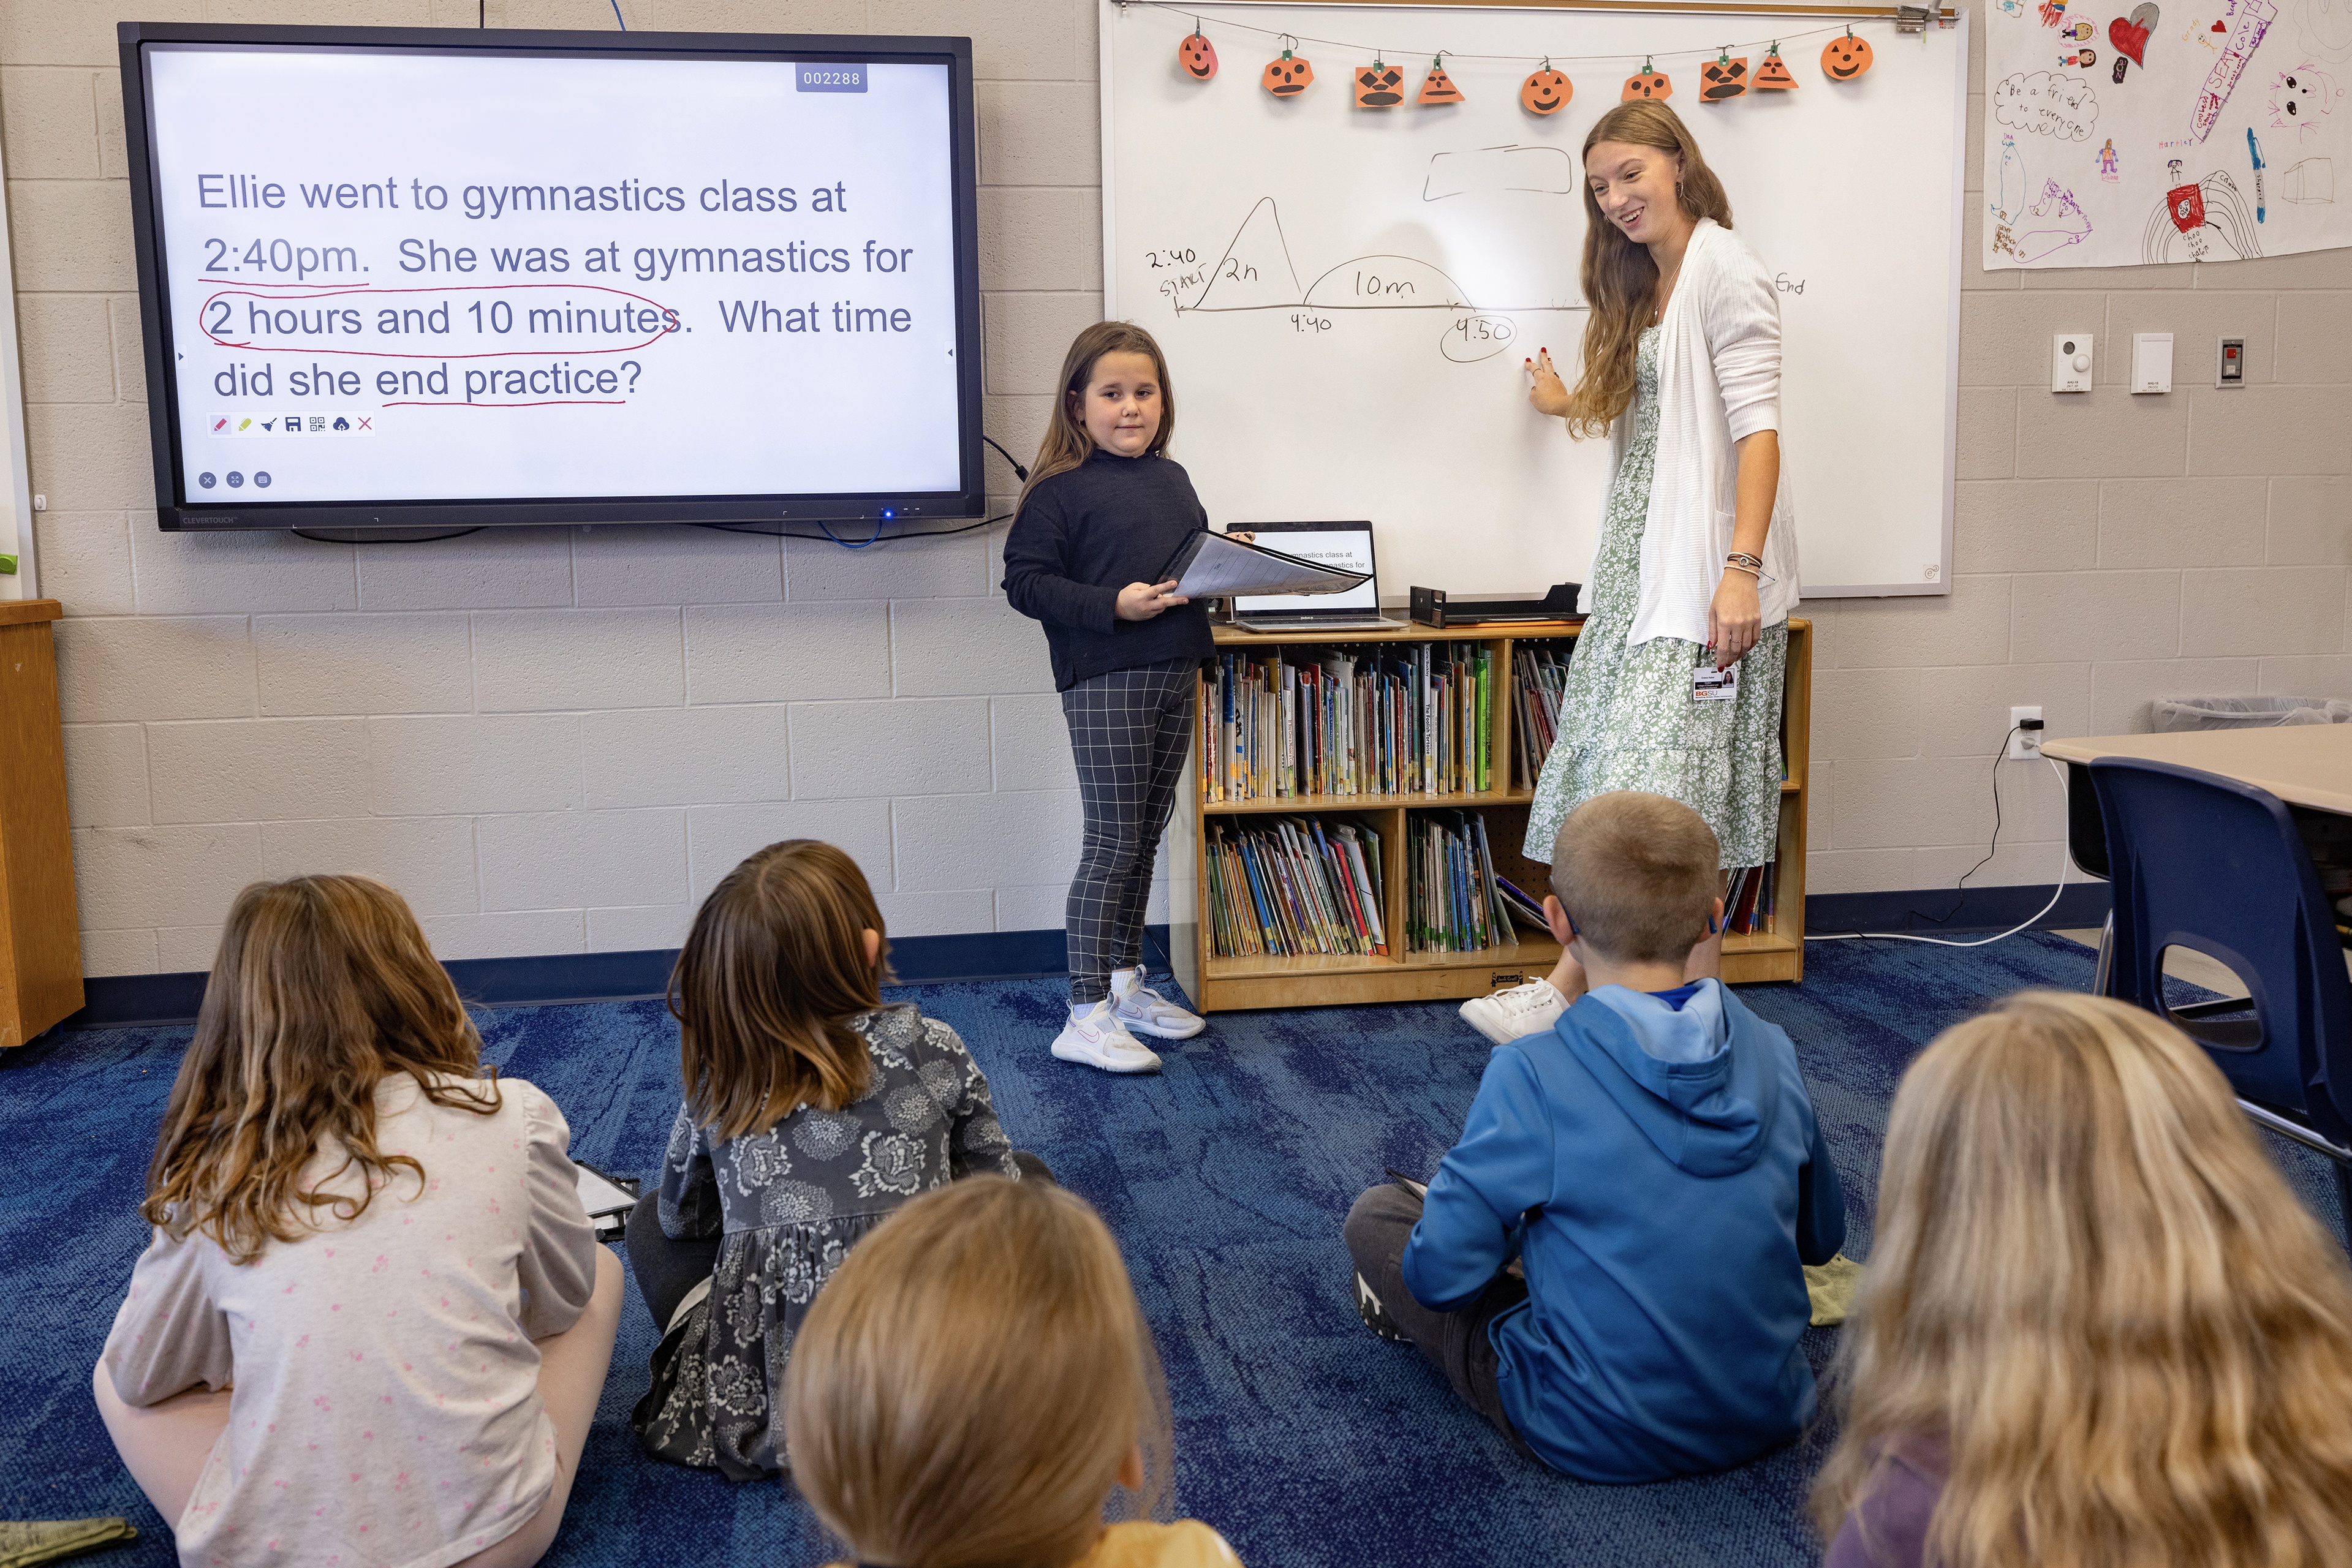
column 374, row 1320
column 2098, row 1330
column 1104, row 510
column 811, row 1112
column 977, row 1385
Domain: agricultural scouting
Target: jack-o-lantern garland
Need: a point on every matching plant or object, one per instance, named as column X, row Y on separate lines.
column 1648, row 83
column 1289, row 75
column 1723, row 78
column 1196, row 57
column 1845, row 58
column 1546, row 90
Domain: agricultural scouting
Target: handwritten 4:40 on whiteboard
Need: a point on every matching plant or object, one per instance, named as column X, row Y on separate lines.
column 2047, row 104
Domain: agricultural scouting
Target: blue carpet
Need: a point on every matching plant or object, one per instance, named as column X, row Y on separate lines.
column 1303, row 1438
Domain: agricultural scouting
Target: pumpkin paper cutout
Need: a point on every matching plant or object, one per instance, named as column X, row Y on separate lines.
column 1722, row 77
column 1843, row 59
column 1546, row 91
column 1287, row 76
column 1438, row 87
column 1773, row 76
column 1378, row 86
column 1198, row 56
column 1648, row 84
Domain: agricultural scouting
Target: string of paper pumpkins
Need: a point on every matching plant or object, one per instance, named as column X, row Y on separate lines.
column 1546, row 90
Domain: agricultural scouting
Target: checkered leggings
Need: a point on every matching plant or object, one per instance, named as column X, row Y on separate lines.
column 1129, row 731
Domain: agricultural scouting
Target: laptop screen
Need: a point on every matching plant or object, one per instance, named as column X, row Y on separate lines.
column 1348, row 546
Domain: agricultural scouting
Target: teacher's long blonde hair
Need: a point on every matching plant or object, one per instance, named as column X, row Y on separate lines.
column 2091, row 1281
column 1620, row 279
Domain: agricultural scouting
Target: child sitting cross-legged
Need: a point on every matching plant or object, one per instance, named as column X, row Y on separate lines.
column 811, row 1110
column 1652, row 1163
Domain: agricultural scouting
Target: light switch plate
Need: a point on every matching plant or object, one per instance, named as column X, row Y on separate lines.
column 2151, row 362
column 2230, row 362
column 2069, row 361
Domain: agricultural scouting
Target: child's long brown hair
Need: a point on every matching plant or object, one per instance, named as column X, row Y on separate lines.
column 2092, row 1283
column 1066, row 443
column 1621, row 281
column 323, row 987
column 772, row 970
column 968, row 1386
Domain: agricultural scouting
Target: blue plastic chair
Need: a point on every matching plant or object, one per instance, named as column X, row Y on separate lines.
column 2201, row 862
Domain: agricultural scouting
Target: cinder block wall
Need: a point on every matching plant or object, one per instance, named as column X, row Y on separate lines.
column 557, row 740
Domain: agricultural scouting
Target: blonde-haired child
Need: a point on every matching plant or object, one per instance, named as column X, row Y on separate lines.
column 811, row 1111
column 975, row 1384
column 2098, row 1329
column 373, row 1322
column 1104, row 510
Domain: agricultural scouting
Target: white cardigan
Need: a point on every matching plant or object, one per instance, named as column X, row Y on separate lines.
column 1718, row 382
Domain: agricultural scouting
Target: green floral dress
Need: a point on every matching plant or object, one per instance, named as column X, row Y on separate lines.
column 1627, row 720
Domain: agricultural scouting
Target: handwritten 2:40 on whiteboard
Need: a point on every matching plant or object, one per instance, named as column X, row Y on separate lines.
column 2047, row 104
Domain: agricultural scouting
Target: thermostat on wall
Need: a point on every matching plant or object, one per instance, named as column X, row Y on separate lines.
column 2070, row 363
column 2151, row 362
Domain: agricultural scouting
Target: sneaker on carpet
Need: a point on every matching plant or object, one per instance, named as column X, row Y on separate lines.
column 1521, row 1011
column 1376, row 1317
column 1100, row 1040
column 1145, row 1011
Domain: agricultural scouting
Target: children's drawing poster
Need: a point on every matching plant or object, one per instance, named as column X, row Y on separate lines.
column 2134, row 132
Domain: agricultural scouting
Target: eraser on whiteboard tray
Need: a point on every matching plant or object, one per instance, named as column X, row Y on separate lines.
column 1432, row 607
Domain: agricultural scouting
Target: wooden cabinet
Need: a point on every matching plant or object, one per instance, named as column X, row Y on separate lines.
column 40, row 938
column 1774, row 952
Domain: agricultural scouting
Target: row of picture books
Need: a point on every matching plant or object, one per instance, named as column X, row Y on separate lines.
column 1294, row 886
column 1538, row 683
column 1394, row 719
column 1299, row 886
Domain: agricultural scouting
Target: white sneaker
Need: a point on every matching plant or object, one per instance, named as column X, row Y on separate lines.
column 1145, row 1011
column 1512, row 1014
column 1100, row 1039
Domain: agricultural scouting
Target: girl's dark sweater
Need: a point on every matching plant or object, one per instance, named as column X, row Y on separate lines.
column 1084, row 535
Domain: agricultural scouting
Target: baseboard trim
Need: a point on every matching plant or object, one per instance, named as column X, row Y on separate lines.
column 1980, row 910
column 151, row 1001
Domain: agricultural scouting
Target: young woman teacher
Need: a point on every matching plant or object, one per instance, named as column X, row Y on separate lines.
column 1696, row 570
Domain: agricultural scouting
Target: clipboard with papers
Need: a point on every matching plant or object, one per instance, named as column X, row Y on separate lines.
column 1213, row 566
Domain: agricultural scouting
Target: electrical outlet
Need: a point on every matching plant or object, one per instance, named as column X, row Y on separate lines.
column 2024, row 745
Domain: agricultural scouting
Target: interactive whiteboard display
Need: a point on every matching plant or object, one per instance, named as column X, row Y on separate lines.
column 533, row 272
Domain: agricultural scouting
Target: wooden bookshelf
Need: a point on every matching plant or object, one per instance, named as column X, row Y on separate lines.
column 1218, row 985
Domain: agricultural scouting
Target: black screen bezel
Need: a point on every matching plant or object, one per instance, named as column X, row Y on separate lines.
column 174, row 513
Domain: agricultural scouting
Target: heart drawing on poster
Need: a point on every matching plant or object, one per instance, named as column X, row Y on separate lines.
column 2129, row 38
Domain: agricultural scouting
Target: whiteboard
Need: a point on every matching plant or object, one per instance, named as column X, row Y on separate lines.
column 1346, row 295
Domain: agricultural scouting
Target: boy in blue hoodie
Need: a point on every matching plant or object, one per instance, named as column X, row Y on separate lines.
column 1652, row 1163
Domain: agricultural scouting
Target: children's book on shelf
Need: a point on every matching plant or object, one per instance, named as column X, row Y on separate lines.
column 1295, row 886
column 1538, row 679
column 1456, row 901
column 1338, row 721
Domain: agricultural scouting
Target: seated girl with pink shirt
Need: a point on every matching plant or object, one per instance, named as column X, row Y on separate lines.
column 373, row 1320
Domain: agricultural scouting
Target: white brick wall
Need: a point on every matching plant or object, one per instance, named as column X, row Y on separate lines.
column 556, row 739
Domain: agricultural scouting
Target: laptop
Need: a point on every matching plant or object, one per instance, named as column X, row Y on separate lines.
column 1348, row 546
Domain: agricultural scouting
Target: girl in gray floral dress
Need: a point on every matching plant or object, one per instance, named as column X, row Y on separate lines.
column 779, row 1000
column 1626, row 717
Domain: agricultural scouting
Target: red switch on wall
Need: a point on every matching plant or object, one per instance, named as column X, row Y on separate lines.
column 2230, row 363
